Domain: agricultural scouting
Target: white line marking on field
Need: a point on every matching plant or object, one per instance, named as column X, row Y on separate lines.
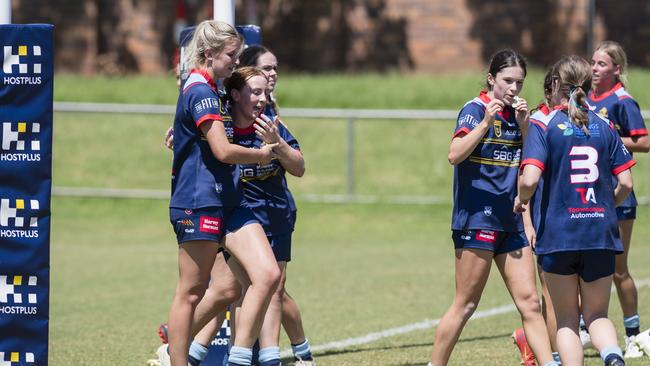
column 425, row 324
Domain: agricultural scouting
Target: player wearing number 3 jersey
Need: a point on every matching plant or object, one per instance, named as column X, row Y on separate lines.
column 576, row 153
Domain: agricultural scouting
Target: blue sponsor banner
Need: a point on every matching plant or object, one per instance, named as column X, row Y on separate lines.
column 26, row 93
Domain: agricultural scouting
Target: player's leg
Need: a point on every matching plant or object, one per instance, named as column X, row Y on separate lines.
column 626, row 290
column 472, row 271
column 253, row 252
column 292, row 324
column 210, row 313
column 195, row 259
column 563, row 291
column 518, row 271
column 549, row 314
column 595, row 302
column 270, row 333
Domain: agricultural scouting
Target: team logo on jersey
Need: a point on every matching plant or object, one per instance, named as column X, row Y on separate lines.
column 497, row 128
column 487, row 210
column 21, row 139
column 218, row 187
column 603, row 112
column 587, row 195
column 23, row 226
column 16, row 358
column 20, row 60
column 18, row 295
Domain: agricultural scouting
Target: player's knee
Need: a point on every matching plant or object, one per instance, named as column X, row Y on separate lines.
column 620, row 275
column 529, row 303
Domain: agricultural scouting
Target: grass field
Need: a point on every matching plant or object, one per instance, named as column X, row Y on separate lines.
column 371, row 268
column 356, row 269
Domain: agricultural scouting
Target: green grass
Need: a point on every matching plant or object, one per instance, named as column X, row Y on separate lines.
column 391, row 157
column 372, row 268
column 390, row 91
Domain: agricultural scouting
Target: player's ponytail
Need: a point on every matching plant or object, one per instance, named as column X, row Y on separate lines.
column 572, row 80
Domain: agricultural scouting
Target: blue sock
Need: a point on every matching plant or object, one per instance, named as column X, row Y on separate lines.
column 556, row 357
column 302, row 350
column 197, row 353
column 632, row 325
column 241, row 356
column 608, row 352
column 269, row 356
column 552, row 363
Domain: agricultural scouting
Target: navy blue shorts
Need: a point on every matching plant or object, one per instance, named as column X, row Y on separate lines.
column 498, row 242
column 625, row 213
column 281, row 245
column 208, row 223
column 590, row 265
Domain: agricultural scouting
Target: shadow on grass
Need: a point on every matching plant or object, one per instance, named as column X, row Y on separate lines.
column 337, row 352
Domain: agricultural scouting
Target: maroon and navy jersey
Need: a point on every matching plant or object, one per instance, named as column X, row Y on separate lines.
column 618, row 106
column 485, row 184
column 199, row 179
column 577, row 199
column 265, row 186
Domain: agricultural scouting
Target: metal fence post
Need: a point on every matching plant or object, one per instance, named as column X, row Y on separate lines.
column 350, row 183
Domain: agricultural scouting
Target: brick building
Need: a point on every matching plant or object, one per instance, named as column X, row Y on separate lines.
column 317, row 36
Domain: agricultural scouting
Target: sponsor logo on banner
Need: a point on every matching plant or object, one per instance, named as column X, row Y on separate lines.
column 21, row 65
column 16, row 358
column 20, row 141
column 13, row 221
column 223, row 337
column 18, row 295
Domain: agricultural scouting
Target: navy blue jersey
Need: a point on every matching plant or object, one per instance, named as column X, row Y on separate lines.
column 198, row 178
column 485, row 184
column 619, row 107
column 577, row 200
column 535, row 201
column 265, row 186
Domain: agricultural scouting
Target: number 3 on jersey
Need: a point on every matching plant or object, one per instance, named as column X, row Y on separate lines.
column 586, row 158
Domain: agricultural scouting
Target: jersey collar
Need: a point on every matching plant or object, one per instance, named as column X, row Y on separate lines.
column 207, row 77
column 598, row 98
column 505, row 113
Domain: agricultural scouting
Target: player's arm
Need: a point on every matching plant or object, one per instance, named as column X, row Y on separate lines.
column 529, row 228
column 624, row 186
column 637, row 143
column 462, row 145
column 629, row 115
column 229, row 153
column 528, row 179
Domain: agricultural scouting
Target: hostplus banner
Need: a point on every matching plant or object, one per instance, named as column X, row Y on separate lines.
column 26, row 91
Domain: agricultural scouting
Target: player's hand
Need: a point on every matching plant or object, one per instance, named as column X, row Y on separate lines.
column 267, row 130
column 169, row 138
column 267, row 153
column 491, row 109
column 521, row 111
column 518, row 207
